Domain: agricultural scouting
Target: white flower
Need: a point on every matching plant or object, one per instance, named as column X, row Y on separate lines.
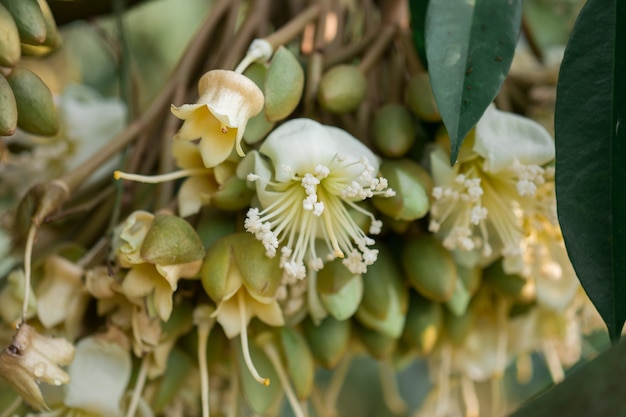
column 307, row 186
column 480, row 204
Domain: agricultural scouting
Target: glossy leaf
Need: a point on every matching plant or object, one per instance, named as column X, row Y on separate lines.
column 470, row 46
column 594, row 389
column 590, row 153
column 418, row 19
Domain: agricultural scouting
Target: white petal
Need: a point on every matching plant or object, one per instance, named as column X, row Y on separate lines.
column 99, row 375
column 502, row 138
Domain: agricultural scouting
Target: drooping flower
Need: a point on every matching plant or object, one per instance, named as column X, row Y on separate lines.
column 309, row 178
column 480, row 203
column 219, row 117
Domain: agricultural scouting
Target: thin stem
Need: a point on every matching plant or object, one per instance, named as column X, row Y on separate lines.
column 293, row 27
column 468, row 391
column 246, row 32
column 141, row 382
column 244, row 341
column 379, row 47
column 156, row 179
column 389, row 386
column 350, row 51
column 274, row 358
column 443, row 381
column 203, row 336
column 413, row 63
column 28, row 254
column 336, row 383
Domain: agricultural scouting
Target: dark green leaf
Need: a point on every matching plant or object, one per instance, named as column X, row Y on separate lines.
column 595, row 389
column 469, row 45
column 590, row 125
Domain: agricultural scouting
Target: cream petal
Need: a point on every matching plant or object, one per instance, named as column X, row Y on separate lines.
column 215, row 147
column 300, row 144
column 187, row 154
column 62, row 280
column 351, row 147
column 503, row 137
column 194, row 193
column 268, row 313
column 139, row 281
column 228, row 316
column 99, row 376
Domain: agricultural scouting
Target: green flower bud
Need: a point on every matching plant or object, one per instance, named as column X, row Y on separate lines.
column 424, row 324
column 340, row 290
column 342, row 89
column 36, row 112
column 412, row 186
column 471, row 277
column 10, row 52
column 258, row 126
column 261, row 275
column 394, row 131
column 458, row 326
column 28, row 19
column 299, row 361
column 232, row 195
column 419, row 97
column 171, row 241
column 508, row 285
column 385, row 297
column 429, row 267
column 329, row 341
column 457, row 304
column 377, row 344
column 8, row 115
column 283, row 85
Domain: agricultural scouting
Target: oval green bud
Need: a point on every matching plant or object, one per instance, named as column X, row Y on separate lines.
column 10, row 52
column 171, row 241
column 458, row 327
column 393, row 130
column 232, row 195
column 36, row 112
column 328, row 341
column 342, row 89
column 419, row 97
column 340, row 290
column 53, row 38
column 283, row 85
column 457, row 304
column 8, row 115
column 508, row 285
column 299, row 361
column 379, row 345
column 406, row 178
column 429, row 267
column 28, row 19
column 471, row 277
column 424, row 324
column 385, row 297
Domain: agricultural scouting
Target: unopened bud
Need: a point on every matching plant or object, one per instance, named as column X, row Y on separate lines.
column 412, row 185
column 10, row 52
column 170, row 241
column 283, row 85
column 328, row 341
column 419, row 97
column 342, row 89
column 394, row 132
column 424, row 324
column 340, row 290
column 29, row 20
column 8, row 115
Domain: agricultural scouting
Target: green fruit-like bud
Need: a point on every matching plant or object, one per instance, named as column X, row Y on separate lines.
column 28, row 19
column 379, row 345
column 471, row 278
column 40, row 201
column 342, row 89
column 457, row 304
column 36, row 112
column 340, row 290
column 508, row 285
column 283, row 85
column 408, row 180
column 328, row 341
column 171, row 241
column 458, row 327
column 419, row 97
column 232, row 195
column 10, row 52
column 8, row 114
column 385, row 297
column 394, row 132
column 258, row 126
column 299, row 361
column 429, row 267
column 424, row 324
column 53, row 38
column 235, row 258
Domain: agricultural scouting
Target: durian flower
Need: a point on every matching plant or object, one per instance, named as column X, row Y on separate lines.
column 480, row 203
column 308, row 179
column 31, row 358
column 219, row 117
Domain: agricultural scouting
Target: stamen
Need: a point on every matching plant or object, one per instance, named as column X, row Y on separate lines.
column 155, row 179
column 274, row 358
column 244, row 341
column 223, row 128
